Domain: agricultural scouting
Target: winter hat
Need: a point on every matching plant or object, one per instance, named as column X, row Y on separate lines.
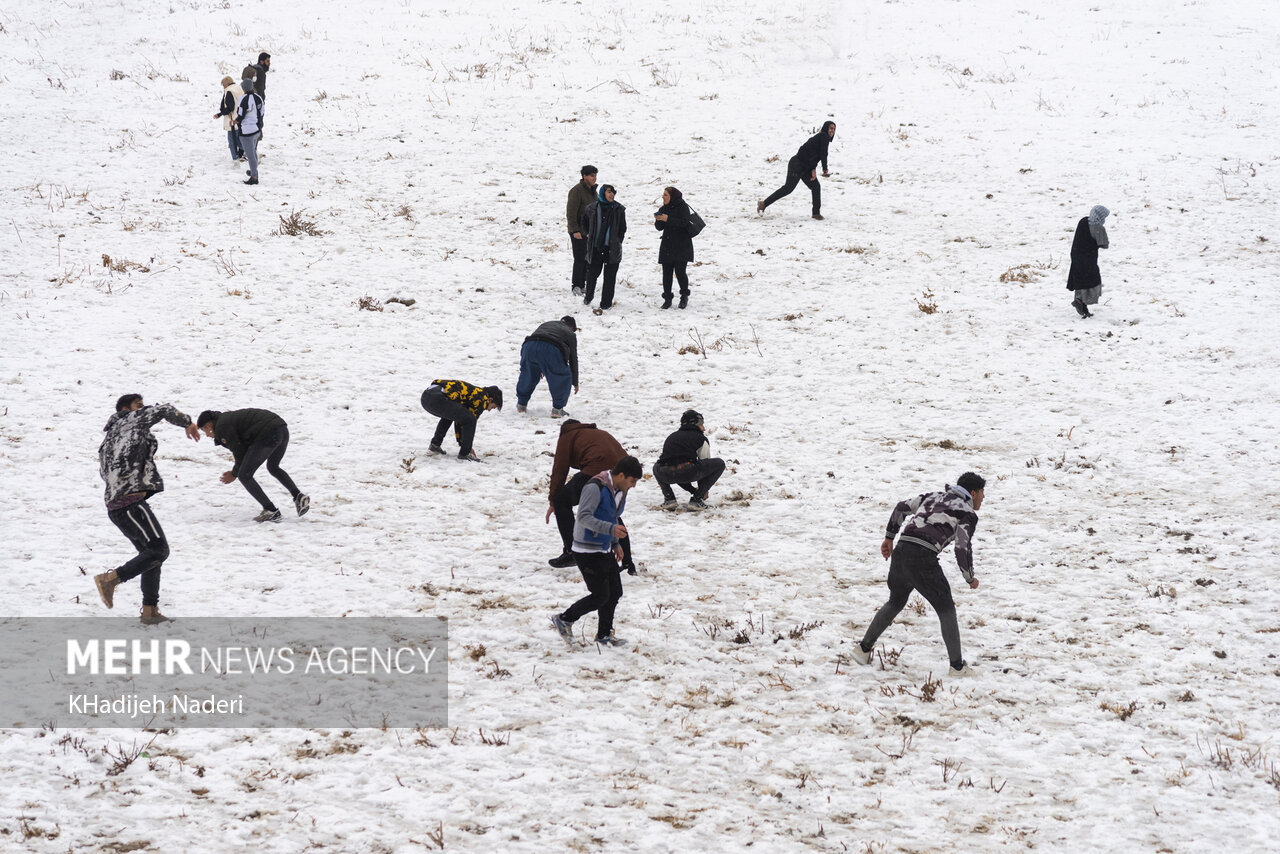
column 569, row 321
column 249, row 73
column 691, row 418
column 1098, row 215
column 676, row 195
column 247, row 85
column 495, row 394
column 227, row 81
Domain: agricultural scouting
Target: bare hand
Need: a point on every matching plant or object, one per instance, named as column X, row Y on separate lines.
column 550, row 510
column 813, row 174
column 193, row 432
column 886, row 548
column 227, row 477
column 577, row 235
column 617, row 553
column 575, row 389
column 973, row 585
column 620, row 531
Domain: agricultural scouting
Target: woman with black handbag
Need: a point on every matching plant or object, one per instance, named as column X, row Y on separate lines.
column 676, row 249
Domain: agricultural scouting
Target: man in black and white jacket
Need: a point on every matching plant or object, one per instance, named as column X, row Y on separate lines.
column 127, row 464
column 248, row 123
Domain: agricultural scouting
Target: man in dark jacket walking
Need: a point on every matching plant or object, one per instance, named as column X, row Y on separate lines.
column 924, row 526
column 254, row 436
column 582, row 194
column 551, row 352
column 590, row 450
column 597, row 531
column 262, row 66
column 604, row 223
column 804, row 167
column 126, row 461
column 461, row 404
column 686, row 458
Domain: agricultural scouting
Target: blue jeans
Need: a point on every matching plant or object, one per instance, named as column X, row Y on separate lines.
column 233, row 143
column 540, row 359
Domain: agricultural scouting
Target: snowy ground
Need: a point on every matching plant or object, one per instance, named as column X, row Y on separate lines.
column 1126, row 625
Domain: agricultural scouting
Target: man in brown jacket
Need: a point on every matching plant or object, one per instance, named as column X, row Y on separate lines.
column 590, row 450
column 582, row 194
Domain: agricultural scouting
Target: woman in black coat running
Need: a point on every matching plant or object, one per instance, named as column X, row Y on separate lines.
column 1084, row 280
column 676, row 250
column 804, row 167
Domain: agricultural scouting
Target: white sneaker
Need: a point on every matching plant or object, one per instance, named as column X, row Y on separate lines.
column 964, row 672
column 860, row 655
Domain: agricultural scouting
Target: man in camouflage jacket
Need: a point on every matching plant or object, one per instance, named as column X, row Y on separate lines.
column 460, row 404
column 127, row 464
column 932, row 521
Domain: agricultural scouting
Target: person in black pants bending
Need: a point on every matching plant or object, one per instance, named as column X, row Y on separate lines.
column 254, row 436
column 804, row 167
column 686, row 457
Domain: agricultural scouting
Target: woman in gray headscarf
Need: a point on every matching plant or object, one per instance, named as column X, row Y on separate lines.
column 1084, row 279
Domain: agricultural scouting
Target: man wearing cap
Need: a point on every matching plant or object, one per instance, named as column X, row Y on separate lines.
column 686, row 459
column 460, row 404
column 551, row 352
column 126, row 461
column 590, row 450
column 924, row 526
column 582, row 194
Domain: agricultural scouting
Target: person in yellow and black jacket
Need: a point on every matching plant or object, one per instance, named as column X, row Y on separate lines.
column 460, row 404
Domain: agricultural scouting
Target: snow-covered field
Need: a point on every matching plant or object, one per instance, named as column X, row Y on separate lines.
column 1126, row 628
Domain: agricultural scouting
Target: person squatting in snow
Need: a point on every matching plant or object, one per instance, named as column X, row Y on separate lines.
column 232, row 92
column 254, row 436
column 126, row 461
column 932, row 521
column 604, row 223
column 597, row 531
column 686, row 457
column 675, row 252
column 582, row 194
column 461, row 404
column 803, row 167
column 551, row 352
column 1084, row 279
column 590, row 450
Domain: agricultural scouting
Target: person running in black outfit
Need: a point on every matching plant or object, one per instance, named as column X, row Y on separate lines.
column 254, row 436
column 804, row 166
column 676, row 250
column 686, row 457
column 127, row 464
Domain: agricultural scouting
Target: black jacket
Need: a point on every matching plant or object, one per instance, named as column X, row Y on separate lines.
column 560, row 334
column 677, row 244
column 814, row 151
column 260, row 83
column 613, row 222
column 1084, row 259
column 240, row 428
column 683, row 446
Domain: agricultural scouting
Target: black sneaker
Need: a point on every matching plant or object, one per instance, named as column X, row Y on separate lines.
column 1080, row 308
column 268, row 516
column 611, row 640
column 302, row 503
column 471, row 457
column 435, row 449
column 562, row 561
column 252, row 181
column 696, row 503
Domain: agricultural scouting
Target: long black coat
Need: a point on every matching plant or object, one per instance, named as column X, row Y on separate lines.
column 677, row 243
column 594, row 226
column 1084, row 259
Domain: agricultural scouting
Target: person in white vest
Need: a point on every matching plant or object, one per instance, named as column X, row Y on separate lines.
column 248, row 123
column 231, row 95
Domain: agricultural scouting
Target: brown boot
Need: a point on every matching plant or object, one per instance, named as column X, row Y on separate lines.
column 107, row 583
column 760, row 207
column 151, row 615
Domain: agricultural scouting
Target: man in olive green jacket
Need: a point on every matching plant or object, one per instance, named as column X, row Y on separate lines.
column 582, row 194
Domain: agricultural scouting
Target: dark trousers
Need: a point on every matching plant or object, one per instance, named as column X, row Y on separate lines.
column 450, row 412
column 271, row 451
column 600, row 262
column 705, row 472
column 681, row 275
column 567, row 497
column 604, row 580
column 796, row 174
column 914, row 567
column 139, row 524
column 581, row 251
